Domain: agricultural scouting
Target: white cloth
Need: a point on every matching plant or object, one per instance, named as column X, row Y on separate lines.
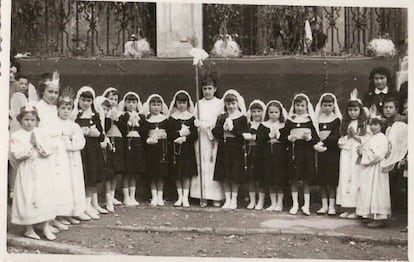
column 190, row 107
column 17, row 101
column 33, row 200
column 74, row 141
column 348, row 170
column 209, row 111
column 240, row 100
column 373, row 196
column 336, row 109
column 384, row 91
column 397, row 136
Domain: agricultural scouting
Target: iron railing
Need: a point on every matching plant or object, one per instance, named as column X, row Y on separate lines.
column 93, row 28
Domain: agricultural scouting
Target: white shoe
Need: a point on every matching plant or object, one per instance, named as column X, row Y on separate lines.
column 322, row 211
column 92, row 214
column 306, row 211
column 59, row 225
column 216, row 203
column 353, row 215
column 73, row 221
column 233, row 205
column 134, row 202
column 344, row 214
column 251, row 205
column 278, row 208
column 331, row 212
column 178, row 203
column 226, row 205
column 186, row 203
column 160, row 201
column 154, row 202
column 48, row 234
column 84, row 217
column 100, row 209
column 294, row 210
column 116, row 202
column 271, row 208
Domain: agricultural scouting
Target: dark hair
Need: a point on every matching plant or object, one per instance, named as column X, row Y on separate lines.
column 299, row 99
column 182, row 97
column 230, row 98
column 42, row 87
column 106, row 103
column 381, row 71
column 279, row 106
column 46, row 76
column 377, row 121
column 61, row 102
column 22, row 113
column 209, row 82
column 113, row 93
column 155, row 99
column 18, row 76
column 328, row 98
column 88, row 95
column 391, row 99
column 131, row 97
column 256, row 106
column 362, row 118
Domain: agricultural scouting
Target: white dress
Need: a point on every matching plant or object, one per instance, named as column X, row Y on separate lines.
column 32, row 202
column 74, row 141
column 373, row 196
column 348, row 170
column 50, row 124
column 212, row 190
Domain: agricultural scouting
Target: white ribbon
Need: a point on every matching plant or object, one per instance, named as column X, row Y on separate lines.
column 198, row 55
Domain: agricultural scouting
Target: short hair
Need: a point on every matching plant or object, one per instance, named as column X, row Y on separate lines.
column 328, row 98
column 23, row 112
column 300, row 98
column 86, row 94
column 381, row 70
column 391, row 99
column 18, row 76
column 376, row 121
column 230, row 98
column 106, row 103
column 131, row 97
column 112, row 93
column 61, row 102
column 277, row 105
column 256, row 106
column 155, row 99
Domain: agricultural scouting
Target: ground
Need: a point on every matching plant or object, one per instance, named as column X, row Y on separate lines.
column 212, row 232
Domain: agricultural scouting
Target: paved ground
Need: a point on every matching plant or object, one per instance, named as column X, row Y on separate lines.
column 170, row 231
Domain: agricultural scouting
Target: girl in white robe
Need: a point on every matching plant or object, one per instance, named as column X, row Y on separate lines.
column 207, row 110
column 32, row 202
column 353, row 132
column 373, row 196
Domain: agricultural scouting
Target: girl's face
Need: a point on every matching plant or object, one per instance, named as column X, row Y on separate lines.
column 208, row 91
column 85, row 103
column 113, row 99
column 131, row 105
column 64, row 111
column 28, row 121
column 232, row 106
column 353, row 112
column 389, row 109
column 375, row 128
column 105, row 109
column 327, row 107
column 155, row 107
column 257, row 114
column 300, row 107
column 380, row 81
column 181, row 105
column 51, row 94
column 274, row 113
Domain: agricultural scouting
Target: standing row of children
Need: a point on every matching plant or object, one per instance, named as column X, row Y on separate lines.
column 77, row 144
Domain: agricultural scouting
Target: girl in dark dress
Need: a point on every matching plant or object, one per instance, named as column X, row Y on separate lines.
column 154, row 133
column 115, row 156
column 130, row 125
column 93, row 161
column 301, row 134
column 230, row 126
column 380, row 87
column 181, row 136
column 274, row 154
column 255, row 115
column 329, row 123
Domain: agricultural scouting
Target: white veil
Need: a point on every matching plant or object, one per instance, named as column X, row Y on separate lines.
column 173, row 109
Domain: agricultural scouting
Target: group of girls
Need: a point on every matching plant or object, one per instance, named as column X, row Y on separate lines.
column 77, row 144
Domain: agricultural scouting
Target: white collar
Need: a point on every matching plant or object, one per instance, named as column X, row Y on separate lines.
column 384, row 91
column 182, row 115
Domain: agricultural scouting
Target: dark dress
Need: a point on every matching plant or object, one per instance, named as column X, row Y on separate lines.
column 115, row 158
column 92, row 154
column 328, row 161
column 134, row 148
column 230, row 154
column 301, row 155
column 274, row 159
column 157, row 154
column 378, row 99
column 253, row 158
column 182, row 157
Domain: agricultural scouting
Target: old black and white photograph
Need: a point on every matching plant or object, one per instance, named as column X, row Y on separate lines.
column 192, row 130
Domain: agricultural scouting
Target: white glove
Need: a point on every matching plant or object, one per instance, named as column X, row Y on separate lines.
column 180, row 140
column 185, row 130
column 228, row 125
column 247, row 136
column 152, row 140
